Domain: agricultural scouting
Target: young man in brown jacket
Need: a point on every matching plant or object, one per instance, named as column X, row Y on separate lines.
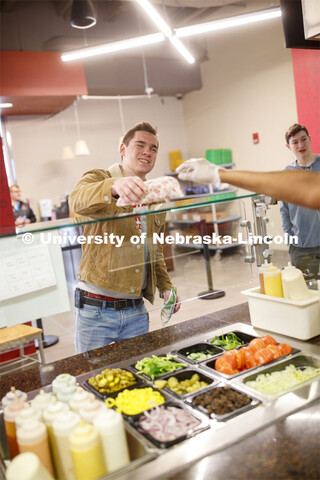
column 116, row 272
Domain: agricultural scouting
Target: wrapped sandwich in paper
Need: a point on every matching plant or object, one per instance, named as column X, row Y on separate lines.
column 159, row 190
column 168, row 308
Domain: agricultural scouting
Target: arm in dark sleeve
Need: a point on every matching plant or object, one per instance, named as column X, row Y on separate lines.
column 285, row 218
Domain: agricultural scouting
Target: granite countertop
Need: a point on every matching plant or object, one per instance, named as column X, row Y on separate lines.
column 288, row 449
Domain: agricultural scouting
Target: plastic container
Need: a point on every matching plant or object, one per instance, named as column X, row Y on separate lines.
column 103, row 396
column 219, row 156
column 297, row 319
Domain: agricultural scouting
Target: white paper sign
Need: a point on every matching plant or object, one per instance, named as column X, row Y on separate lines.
column 25, row 271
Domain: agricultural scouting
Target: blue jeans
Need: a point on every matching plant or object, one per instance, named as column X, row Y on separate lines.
column 98, row 326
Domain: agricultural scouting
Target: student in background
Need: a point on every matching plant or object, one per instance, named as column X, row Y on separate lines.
column 22, row 212
column 297, row 220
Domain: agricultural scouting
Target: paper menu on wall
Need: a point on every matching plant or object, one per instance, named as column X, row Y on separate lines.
column 25, row 271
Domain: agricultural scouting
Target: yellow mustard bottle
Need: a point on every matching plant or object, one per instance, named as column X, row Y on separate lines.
column 86, row 451
column 263, row 268
column 273, row 283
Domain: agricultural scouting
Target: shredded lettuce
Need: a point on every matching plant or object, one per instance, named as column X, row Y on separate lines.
column 276, row 382
column 156, row 366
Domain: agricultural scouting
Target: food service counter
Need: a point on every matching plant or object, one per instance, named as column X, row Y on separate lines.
column 280, row 441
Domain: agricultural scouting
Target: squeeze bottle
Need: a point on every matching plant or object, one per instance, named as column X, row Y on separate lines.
column 42, row 400
column 261, row 270
column 91, row 408
column 79, row 399
column 273, row 283
column 294, row 286
column 62, row 426
column 27, row 466
column 66, row 393
column 32, row 437
column 62, row 380
column 26, row 414
column 49, row 414
column 10, row 414
column 9, row 397
column 86, row 451
column 114, row 441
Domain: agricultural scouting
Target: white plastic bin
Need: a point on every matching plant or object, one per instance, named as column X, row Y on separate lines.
column 297, row 319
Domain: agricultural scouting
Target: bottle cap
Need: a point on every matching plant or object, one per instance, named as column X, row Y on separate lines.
column 26, row 414
column 50, row 413
column 62, row 380
column 14, row 407
column 79, row 399
column 9, row 397
column 30, row 432
column 91, row 408
column 42, row 400
column 65, row 422
column 66, row 393
column 84, row 436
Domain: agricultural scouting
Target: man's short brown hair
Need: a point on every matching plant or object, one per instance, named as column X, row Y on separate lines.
column 14, row 186
column 293, row 130
column 140, row 127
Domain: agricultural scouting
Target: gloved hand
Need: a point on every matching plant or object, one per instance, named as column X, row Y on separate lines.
column 201, row 172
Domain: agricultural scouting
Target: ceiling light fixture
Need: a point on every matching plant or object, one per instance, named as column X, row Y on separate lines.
column 165, row 29
column 176, row 42
column 113, row 47
column 6, row 105
column 82, row 15
column 156, row 17
column 228, row 22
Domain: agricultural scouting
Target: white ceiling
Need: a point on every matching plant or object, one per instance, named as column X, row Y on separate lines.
column 33, row 25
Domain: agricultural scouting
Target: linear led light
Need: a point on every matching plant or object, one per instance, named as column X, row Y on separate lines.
column 176, row 42
column 6, row 105
column 155, row 17
column 113, row 47
column 115, row 97
column 165, row 29
column 228, row 22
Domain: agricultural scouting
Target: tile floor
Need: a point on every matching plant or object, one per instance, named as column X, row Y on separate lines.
column 229, row 272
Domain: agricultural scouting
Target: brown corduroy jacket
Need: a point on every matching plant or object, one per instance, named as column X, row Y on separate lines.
column 115, row 268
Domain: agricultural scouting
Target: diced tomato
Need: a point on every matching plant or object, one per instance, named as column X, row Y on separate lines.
column 268, row 340
column 284, row 348
column 275, row 351
column 248, row 356
column 256, row 344
column 263, row 356
column 223, row 366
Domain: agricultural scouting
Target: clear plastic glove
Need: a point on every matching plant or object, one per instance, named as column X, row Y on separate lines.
column 201, row 172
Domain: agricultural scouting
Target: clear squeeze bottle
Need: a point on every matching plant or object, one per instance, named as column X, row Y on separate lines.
column 273, row 283
column 27, row 466
column 294, row 286
column 42, row 400
column 10, row 414
column 32, row 437
column 63, row 380
column 62, row 426
column 79, row 399
column 114, row 441
column 261, row 270
column 10, row 396
column 91, row 409
column 53, row 410
column 86, row 451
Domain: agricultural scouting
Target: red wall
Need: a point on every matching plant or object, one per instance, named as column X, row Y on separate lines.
column 306, row 69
